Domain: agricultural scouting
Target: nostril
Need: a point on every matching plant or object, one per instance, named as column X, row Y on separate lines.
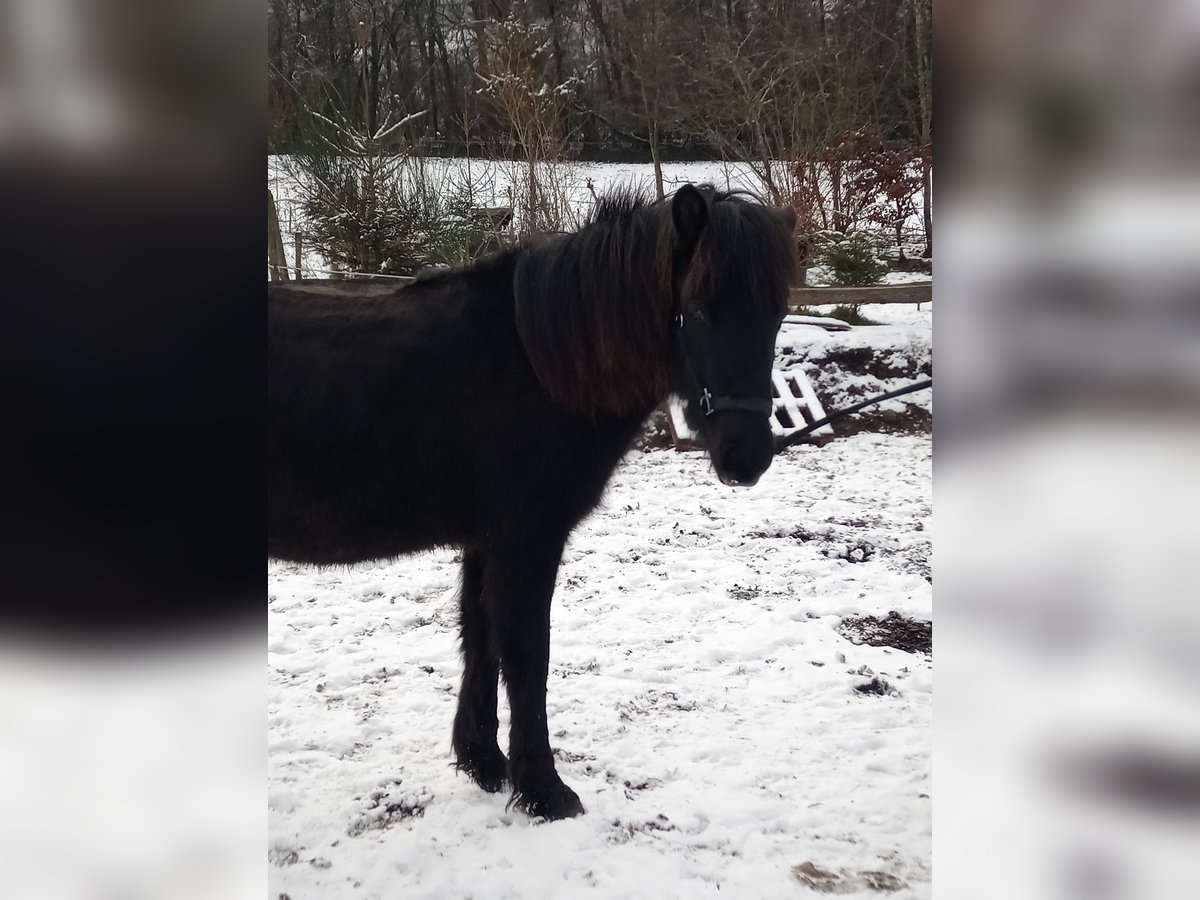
column 747, row 460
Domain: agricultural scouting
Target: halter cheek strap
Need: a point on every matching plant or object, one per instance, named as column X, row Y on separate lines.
column 710, row 403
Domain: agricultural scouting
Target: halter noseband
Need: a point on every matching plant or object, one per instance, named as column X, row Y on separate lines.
column 709, row 403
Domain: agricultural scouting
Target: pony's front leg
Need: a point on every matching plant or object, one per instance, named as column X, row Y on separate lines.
column 475, row 749
column 520, row 583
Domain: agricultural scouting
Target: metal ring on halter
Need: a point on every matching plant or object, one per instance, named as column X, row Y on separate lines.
column 710, row 404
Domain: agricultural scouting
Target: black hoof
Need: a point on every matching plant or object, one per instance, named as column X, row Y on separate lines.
column 557, row 802
column 487, row 767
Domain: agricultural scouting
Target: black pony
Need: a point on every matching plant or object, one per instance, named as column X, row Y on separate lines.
column 558, row 351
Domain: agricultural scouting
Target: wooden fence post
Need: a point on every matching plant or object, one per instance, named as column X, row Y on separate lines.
column 276, row 258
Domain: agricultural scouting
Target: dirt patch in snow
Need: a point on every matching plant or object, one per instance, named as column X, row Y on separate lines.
column 845, row 375
column 851, row 366
column 813, row 876
column 909, row 635
column 877, row 686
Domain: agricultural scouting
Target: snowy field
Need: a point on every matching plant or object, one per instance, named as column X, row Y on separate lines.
column 490, row 183
column 702, row 701
column 490, row 180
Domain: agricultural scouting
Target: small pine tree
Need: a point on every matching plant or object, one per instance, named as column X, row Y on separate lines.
column 854, row 260
column 370, row 207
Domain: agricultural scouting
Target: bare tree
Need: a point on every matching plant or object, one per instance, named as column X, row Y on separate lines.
column 517, row 77
column 774, row 84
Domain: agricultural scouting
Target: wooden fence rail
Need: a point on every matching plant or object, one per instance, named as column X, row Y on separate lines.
column 913, row 292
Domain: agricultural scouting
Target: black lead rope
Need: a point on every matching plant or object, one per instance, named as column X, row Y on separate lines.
column 795, row 437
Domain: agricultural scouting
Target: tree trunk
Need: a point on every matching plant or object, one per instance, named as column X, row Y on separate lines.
column 927, row 202
column 657, row 160
column 556, row 41
column 430, row 47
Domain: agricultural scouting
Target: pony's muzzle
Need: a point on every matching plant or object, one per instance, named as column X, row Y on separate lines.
column 742, row 457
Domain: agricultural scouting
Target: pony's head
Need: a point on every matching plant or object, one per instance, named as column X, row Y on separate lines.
column 682, row 295
column 733, row 263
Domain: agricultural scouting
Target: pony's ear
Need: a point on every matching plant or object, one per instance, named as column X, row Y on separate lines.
column 789, row 218
column 689, row 214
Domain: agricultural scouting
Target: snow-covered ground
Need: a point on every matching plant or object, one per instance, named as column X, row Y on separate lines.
column 848, row 366
column 906, row 314
column 701, row 702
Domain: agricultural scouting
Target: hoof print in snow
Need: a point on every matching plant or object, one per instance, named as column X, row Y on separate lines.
column 881, row 881
column 796, row 534
column 894, row 631
column 624, row 832
column 653, row 701
column 386, row 810
column 877, row 686
column 858, row 552
column 812, row 876
column 738, row 592
column 632, row 788
column 283, row 856
column 569, row 756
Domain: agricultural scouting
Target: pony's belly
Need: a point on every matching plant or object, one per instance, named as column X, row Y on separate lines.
column 330, row 544
column 360, row 525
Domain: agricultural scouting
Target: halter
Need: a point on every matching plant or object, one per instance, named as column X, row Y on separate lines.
column 710, row 403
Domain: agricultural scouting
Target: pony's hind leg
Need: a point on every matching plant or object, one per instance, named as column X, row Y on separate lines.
column 475, row 749
column 519, row 585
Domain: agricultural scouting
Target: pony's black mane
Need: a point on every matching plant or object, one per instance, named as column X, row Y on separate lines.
column 619, row 202
column 594, row 306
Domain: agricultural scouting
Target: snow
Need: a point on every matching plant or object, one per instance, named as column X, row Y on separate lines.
column 492, row 183
column 701, row 702
column 492, row 178
column 912, row 315
column 896, row 353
